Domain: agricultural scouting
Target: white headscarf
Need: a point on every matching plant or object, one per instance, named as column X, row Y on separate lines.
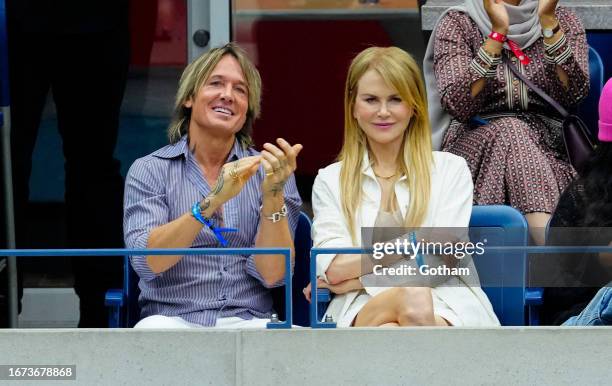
column 524, row 30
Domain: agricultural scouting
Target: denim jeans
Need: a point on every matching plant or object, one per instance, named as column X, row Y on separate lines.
column 597, row 313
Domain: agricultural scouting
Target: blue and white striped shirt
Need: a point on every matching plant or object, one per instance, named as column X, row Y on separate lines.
column 161, row 187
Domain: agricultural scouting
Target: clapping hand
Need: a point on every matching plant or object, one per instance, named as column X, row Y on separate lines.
column 233, row 177
column 496, row 10
column 279, row 163
column 547, row 8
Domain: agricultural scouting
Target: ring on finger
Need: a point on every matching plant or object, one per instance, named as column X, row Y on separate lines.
column 268, row 174
column 234, row 174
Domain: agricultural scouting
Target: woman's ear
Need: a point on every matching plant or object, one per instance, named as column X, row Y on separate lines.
column 188, row 103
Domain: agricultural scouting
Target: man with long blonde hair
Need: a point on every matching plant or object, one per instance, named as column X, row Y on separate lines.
column 207, row 180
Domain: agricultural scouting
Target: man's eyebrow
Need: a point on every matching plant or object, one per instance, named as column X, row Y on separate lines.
column 217, row 76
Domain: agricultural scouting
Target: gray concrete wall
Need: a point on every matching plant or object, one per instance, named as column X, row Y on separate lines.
column 544, row 356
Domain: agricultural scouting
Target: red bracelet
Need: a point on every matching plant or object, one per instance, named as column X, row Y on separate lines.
column 513, row 46
column 498, row 37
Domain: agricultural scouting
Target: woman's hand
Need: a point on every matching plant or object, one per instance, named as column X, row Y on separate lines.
column 496, row 9
column 279, row 163
column 340, row 288
column 547, row 7
column 233, row 176
column 306, row 291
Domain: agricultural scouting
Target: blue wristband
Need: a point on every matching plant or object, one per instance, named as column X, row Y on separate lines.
column 197, row 214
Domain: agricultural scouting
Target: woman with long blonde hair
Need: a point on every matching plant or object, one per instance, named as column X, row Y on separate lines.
column 388, row 176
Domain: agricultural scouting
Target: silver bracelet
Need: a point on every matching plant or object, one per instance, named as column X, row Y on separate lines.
column 276, row 216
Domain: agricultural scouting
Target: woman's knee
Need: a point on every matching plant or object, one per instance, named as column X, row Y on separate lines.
column 414, row 306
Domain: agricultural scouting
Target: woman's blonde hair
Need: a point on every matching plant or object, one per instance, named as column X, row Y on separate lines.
column 197, row 72
column 399, row 71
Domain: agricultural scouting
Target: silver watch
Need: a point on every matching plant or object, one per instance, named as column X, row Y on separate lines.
column 277, row 216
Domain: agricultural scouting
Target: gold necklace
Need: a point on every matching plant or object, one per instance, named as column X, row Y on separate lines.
column 385, row 177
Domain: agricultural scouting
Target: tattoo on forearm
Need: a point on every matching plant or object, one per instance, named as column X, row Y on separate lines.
column 219, row 185
column 278, row 187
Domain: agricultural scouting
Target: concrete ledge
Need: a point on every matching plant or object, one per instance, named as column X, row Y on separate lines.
column 595, row 14
column 49, row 308
column 508, row 355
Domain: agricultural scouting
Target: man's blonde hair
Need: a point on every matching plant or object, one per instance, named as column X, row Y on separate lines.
column 197, row 72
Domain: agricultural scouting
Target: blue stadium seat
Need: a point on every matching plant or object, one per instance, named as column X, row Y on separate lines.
column 302, row 244
column 123, row 310
column 589, row 108
column 503, row 274
column 123, row 303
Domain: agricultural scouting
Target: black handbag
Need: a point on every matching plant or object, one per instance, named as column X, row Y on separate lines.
column 579, row 143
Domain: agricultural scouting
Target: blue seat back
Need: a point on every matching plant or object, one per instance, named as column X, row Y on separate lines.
column 131, row 293
column 589, row 108
column 302, row 244
column 502, row 273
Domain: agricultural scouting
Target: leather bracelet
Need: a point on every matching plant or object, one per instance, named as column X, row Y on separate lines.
column 276, row 216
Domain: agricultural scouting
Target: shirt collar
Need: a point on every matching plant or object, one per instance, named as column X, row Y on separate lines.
column 173, row 150
column 237, row 152
column 181, row 148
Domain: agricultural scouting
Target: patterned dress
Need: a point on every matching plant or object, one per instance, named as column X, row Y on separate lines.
column 518, row 157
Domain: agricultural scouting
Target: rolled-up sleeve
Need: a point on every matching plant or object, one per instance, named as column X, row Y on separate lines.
column 294, row 205
column 329, row 228
column 571, row 53
column 455, row 67
column 145, row 208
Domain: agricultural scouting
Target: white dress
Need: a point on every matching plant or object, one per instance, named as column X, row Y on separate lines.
column 460, row 300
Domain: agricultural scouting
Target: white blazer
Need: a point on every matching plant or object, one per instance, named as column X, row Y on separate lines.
column 450, row 205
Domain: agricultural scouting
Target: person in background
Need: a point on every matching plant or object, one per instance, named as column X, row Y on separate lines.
column 480, row 110
column 388, row 177
column 78, row 50
column 578, row 297
column 209, row 178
